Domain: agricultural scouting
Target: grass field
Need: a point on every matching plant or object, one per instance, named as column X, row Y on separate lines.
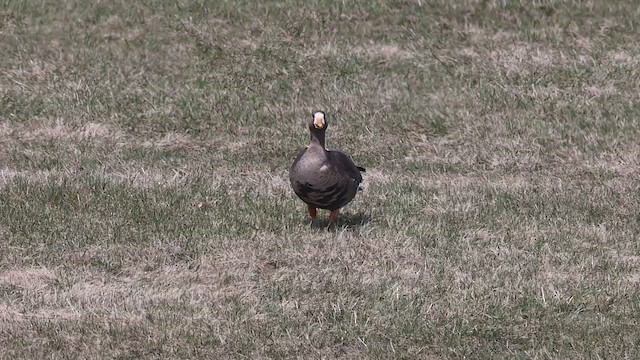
column 145, row 209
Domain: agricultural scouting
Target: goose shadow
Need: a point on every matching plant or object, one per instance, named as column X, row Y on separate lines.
column 346, row 220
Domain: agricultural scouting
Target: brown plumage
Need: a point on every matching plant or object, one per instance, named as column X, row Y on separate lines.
column 324, row 179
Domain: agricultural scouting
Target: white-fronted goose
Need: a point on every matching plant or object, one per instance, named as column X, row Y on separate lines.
column 325, row 179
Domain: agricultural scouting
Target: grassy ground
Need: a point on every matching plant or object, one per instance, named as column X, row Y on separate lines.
column 145, row 210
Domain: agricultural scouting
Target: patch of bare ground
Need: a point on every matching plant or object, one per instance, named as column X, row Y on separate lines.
column 59, row 130
column 517, row 57
column 28, row 278
column 32, row 284
column 376, row 52
column 33, row 70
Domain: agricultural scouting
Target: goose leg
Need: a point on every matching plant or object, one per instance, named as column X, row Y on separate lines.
column 312, row 212
column 332, row 217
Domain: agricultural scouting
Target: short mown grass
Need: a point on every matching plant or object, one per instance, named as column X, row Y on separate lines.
column 145, row 209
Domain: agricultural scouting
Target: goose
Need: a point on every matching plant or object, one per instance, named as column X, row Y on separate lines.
column 324, row 179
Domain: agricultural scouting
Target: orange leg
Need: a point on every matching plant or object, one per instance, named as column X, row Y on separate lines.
column 312, row 211
column 332, row 217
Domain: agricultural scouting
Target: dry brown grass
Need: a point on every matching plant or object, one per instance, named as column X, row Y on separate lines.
column 145, row 210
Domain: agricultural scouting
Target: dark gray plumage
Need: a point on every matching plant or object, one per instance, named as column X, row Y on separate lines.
column 325, row 179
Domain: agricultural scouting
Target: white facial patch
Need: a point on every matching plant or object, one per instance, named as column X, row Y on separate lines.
column 318, row 116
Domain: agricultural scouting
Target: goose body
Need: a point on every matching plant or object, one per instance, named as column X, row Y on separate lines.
column 324, row 179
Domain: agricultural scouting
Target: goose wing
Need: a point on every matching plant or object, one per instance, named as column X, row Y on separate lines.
column 345, row 166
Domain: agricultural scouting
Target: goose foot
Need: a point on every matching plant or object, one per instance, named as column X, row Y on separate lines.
column 332, row 218
column 312, row 212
